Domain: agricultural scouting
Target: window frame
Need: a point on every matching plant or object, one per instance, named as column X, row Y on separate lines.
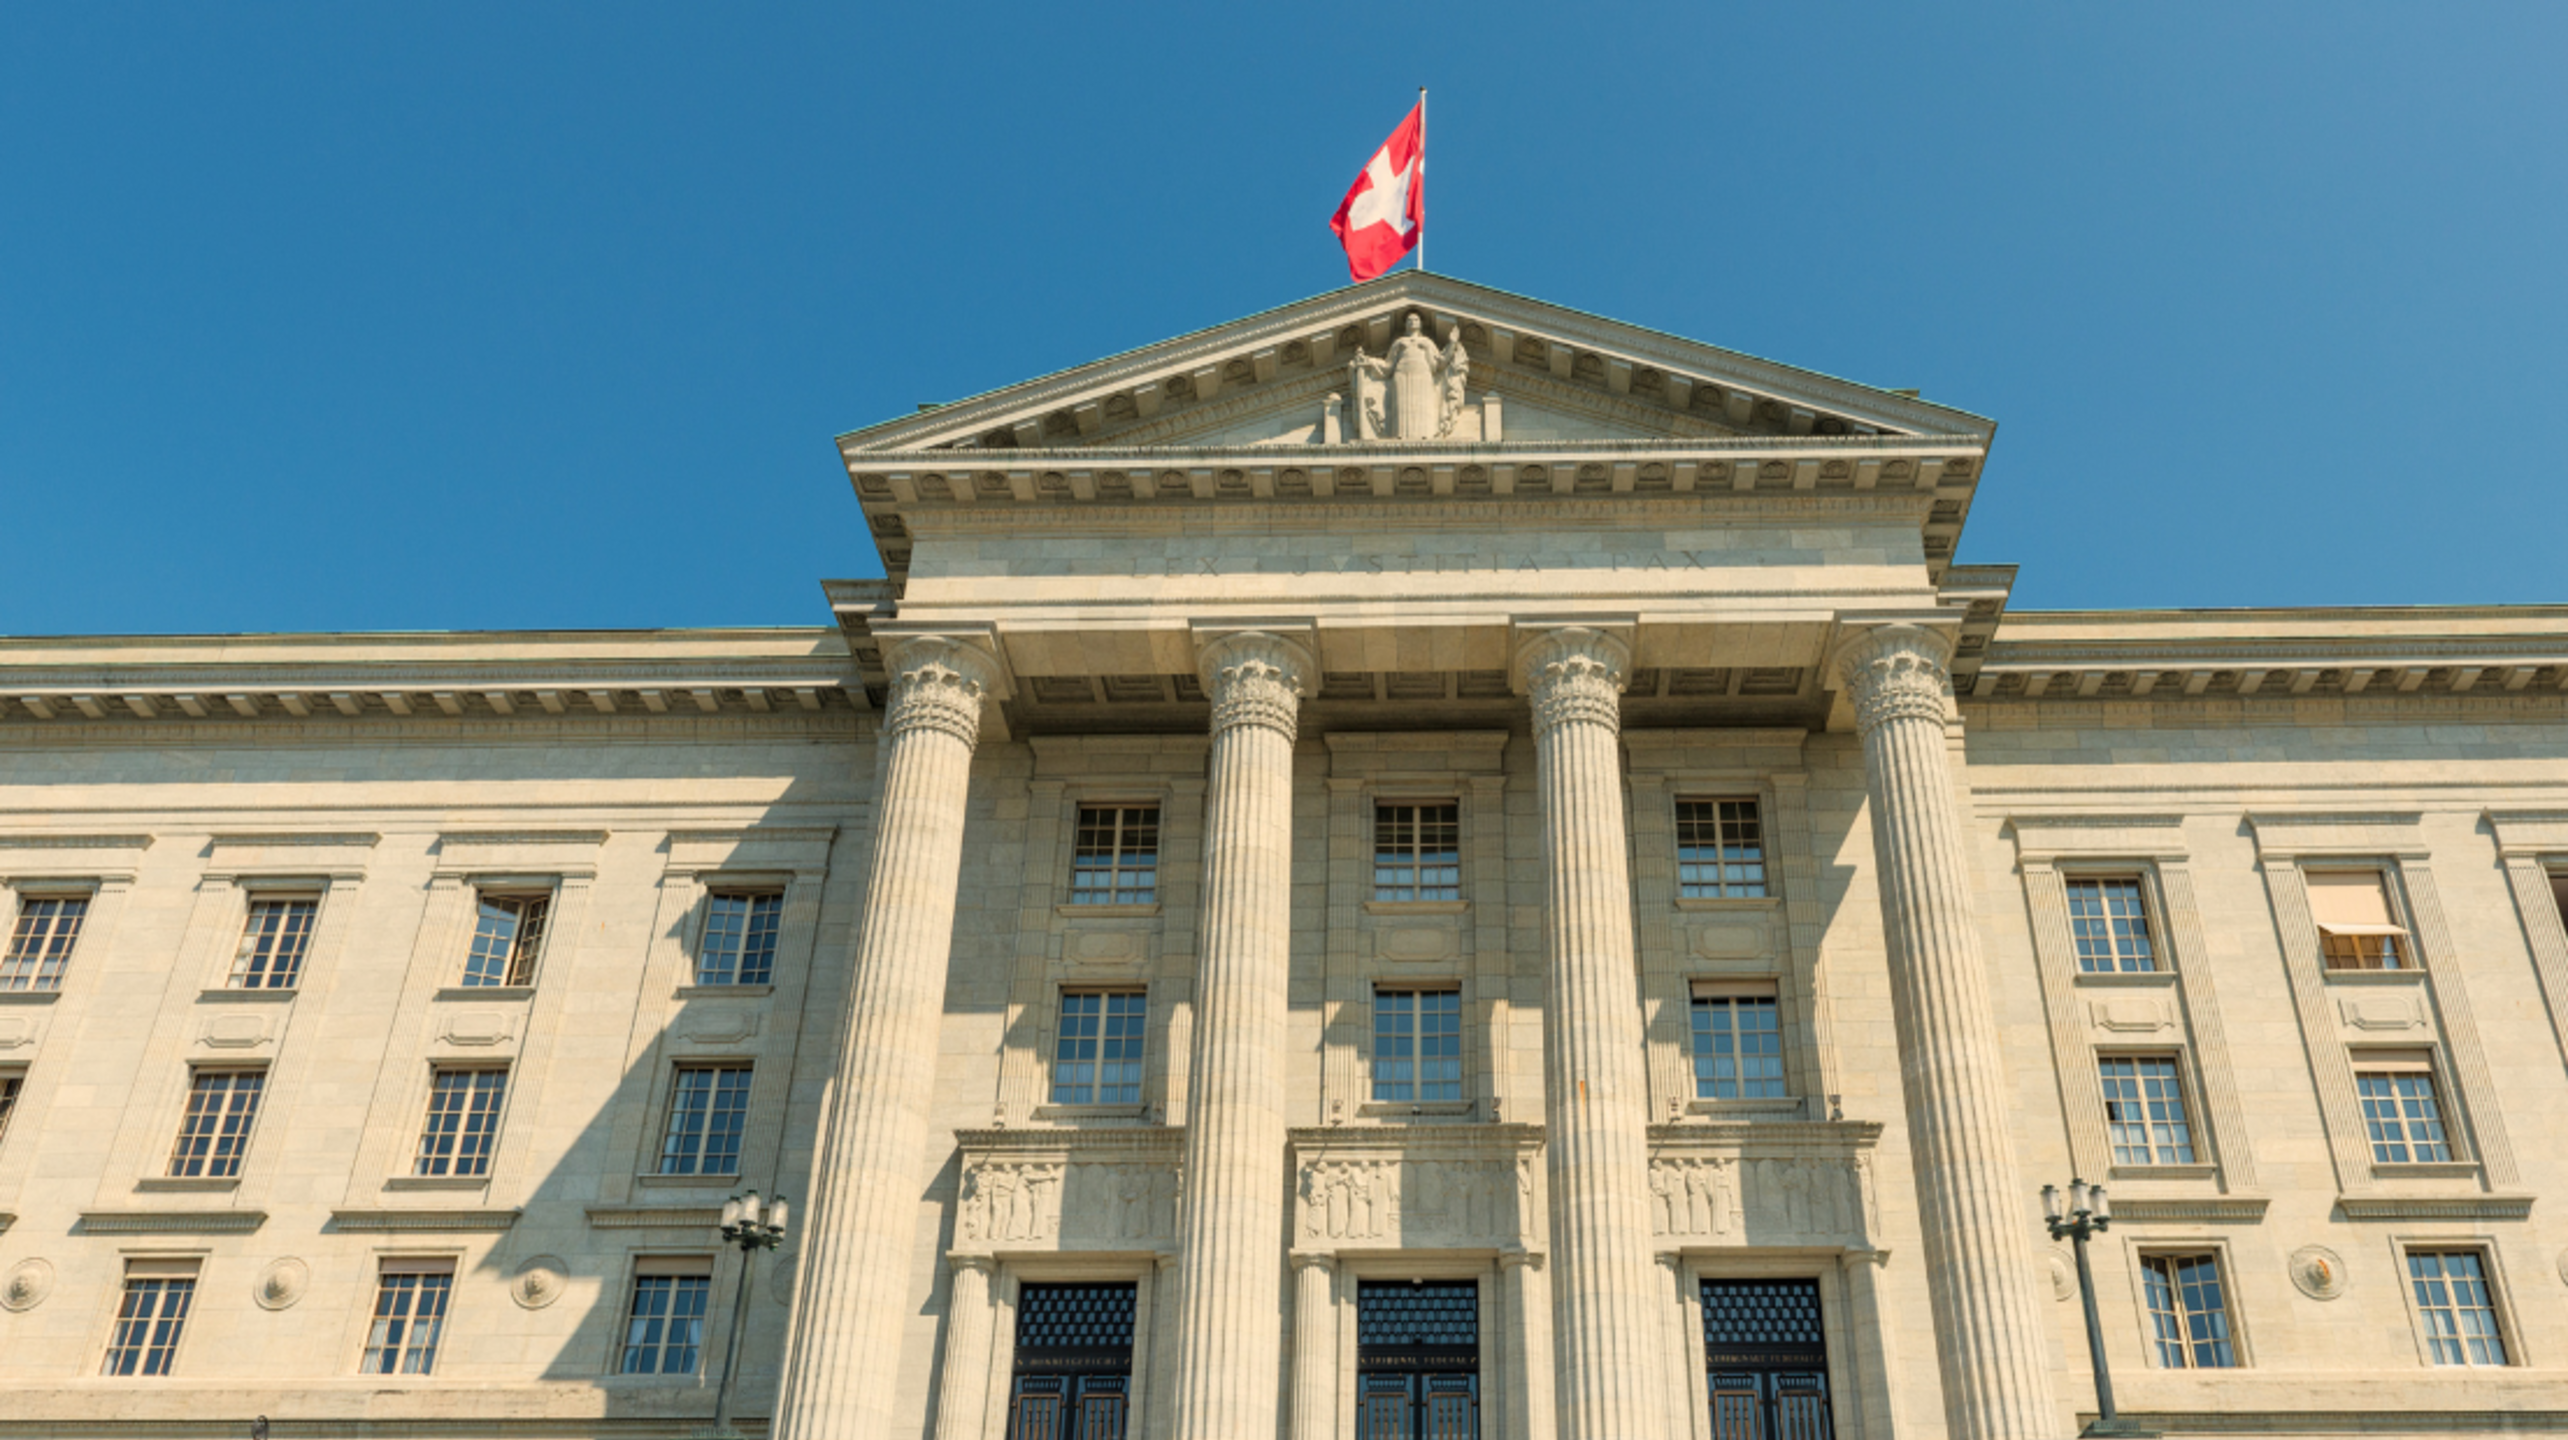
column 671, row 1113
column 1060, row 1035
column 1416, row 1035
column 424, row 1267
column 1112, row 896
column 213, row 1153
column 522, row 970
column 24, row 895
column 2393, row 903
column 714, row 895
column 151, row 1268
column 2175, row 1059
column 2146, row 1252
column 2500, row 1299
column 1416, row 862
column 428, row 1113
column 2143, row 880
column 13, row 1093
column 236, row 977
column 1700, row 991
column 671, row 1266
column 1765, row 890
column 2409, row 1060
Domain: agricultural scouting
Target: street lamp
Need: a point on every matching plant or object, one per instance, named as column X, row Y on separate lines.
column 752, row 1224
column 2087, row 1214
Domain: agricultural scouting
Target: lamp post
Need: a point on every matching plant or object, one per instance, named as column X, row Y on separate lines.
column 753, row 1225
column 2087, row 1214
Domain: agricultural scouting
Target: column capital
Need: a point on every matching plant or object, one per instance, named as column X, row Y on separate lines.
column 938, row 682
column 986, row 1264
column 1511, row 1259
column 1573, row 672
column 1255, row 677
column 1313, row 1260
column 1895, row 672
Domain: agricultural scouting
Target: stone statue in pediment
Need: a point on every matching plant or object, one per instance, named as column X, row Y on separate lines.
column 1415, row 391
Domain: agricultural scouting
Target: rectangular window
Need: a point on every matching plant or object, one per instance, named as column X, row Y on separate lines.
column 740, row 939
column 1116, row 861
column 151, row 1317
column 507, row 938
column 664, row 1326
column 1738, row 1046
column 1417, row 1045
column 273, row 943
column 1417, row 852
column 1720, row 850
column 2355, row 928
column 2400, row 1110
column 2144, row 1110
column 463, row 1122
column 708, row 1111
column 2456, row 1307
column 2111, row 923
column 2187, row 1313
column 1096, row 1060
column 11, row 1081
column 40, row 943
column 409, row 1316
column 214, row 1136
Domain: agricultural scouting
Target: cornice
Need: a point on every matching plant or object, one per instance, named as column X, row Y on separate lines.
column 171, row 1222
column 2430, row 1207
column 474, row 1221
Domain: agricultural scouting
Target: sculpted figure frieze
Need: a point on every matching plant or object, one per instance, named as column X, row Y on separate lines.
column 1412, row 392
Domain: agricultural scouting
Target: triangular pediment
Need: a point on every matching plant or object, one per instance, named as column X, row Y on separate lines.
column 1537, row 373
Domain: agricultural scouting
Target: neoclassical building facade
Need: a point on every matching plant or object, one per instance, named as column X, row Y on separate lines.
column 1579, row 923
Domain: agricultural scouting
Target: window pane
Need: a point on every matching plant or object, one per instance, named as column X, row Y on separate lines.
column 148, row 1322
column 1096, row 1055
column 2111, row 925
column 2144, row 1110
column 40, row 944
column 2456, row 1307
column 1720, row 849
column 272, row 944
column 1417, row 1046
column 1417, row 852
column 463, row 1122
column 507, row 936
column 214, row 1135
column 708, row 1112
column 2189, row 1317
column 9, row 1086
column 1738, row 1048
column 409, row 1317
column 739, row 940
column 1115, row 860
column 2402, row 1118
column 664, row 1331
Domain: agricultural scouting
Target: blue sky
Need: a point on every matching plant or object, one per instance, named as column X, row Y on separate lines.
column 411, row 317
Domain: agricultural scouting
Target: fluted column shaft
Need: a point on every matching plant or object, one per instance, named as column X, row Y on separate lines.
column 844, row 1343
column 1231, row 1234
column 1595, row 1108
column 1315, row 1389
column 963, row 1394
column 1971, row 1200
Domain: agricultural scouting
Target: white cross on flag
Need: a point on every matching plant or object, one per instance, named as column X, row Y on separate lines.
column 1379, row 220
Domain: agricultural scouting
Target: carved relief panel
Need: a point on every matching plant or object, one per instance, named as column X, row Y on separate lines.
column 1418, row 1188
column 1765, row 1184
column 1041, row 1190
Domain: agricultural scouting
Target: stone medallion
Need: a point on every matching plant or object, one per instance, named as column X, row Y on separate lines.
column 539, row 1282
column 2064, row 1276
column 2318, row 1271
column 29, row 1282
column 282, row 1283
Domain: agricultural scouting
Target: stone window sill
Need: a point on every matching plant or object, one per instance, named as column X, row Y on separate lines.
column 2412, row 976
column 1789, row 1107
column 1728, row 902
column 2162, row 1172
column 1106, row 912
column 1073, row 1114
column 2133, row 979
column 681, row 1182
column 486, row 992
column 725, row 992
column 231, row 995
column 1417, row 1109
column 29, row 997
column 1416, row 907
column 2428, row 1170
column 437, row 1182
column 189, row 1184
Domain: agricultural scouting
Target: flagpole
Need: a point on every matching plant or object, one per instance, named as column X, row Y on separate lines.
column 1422, row 179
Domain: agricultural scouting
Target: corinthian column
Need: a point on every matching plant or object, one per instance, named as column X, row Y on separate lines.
column 1231, row 1236
column 1595, row 1110
column 1979, row 1261
column 845, row 1340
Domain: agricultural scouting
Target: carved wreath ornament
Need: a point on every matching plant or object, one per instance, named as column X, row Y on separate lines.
column 28, row 1283
column 2318, row 1271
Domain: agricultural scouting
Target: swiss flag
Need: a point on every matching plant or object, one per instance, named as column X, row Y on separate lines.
column 1379, row 220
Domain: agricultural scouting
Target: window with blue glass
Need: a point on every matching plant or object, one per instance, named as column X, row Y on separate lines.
column 1096, row 1058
